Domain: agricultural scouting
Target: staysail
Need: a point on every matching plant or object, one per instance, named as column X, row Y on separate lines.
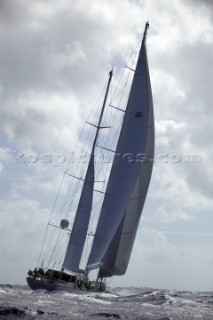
column 126, row 170
column 83, row 213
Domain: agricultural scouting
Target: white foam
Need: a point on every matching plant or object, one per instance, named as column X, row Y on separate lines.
column 2, row 291
column 96, row 300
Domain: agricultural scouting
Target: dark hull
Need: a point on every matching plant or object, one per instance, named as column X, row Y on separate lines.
column 51, row 285
column 36, row 284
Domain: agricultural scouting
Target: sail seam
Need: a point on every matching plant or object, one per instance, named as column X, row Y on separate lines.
column 137, row 198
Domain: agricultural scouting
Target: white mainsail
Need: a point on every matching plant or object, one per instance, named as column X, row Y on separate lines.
column 125, row 179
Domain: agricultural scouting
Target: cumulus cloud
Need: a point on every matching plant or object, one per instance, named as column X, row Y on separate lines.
column 23, row 223
column 54, row 62
column 164, row 216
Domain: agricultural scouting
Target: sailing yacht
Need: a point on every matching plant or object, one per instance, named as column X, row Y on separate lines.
column 123, row 197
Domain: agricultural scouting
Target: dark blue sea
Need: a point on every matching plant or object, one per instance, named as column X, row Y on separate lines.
column 19, row 302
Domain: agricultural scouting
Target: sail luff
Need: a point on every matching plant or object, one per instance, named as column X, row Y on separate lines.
column 82, row 218
column 123, row 176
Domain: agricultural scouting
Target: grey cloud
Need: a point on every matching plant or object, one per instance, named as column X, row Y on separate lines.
column 207, row 5
column 31, row 46
column 191, row 66
column 13, row 13
column 202, row 2
column 53, row 52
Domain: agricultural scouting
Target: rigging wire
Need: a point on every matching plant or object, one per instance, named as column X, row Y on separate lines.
column 111, row 135
column 54, row 248
column 43, row 242
column 60, row 252
column 73, row 189
column 109, row 140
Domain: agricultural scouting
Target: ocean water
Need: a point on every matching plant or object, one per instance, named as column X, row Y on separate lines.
column 19, row 302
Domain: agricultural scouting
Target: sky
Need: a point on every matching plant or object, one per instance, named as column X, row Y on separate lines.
column 54, row 61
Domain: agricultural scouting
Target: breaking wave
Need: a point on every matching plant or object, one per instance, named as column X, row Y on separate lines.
column 117, row 303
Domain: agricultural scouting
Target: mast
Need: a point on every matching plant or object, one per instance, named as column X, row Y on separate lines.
column 145, row 32
column 80, row 227
column 102, row 111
